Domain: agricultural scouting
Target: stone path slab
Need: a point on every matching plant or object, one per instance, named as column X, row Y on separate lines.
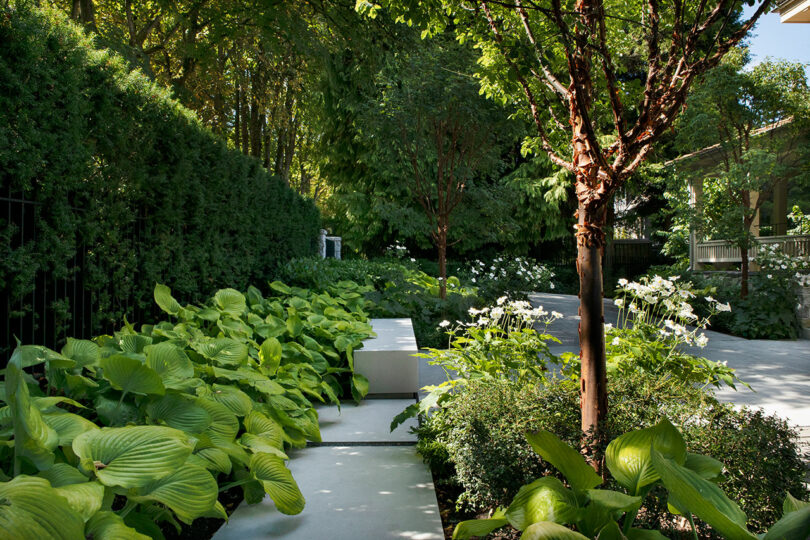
column 367, row 422
column 352, row 493
column 361, row 483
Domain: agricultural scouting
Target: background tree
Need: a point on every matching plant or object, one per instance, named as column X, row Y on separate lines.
column 758, row 119
column 619, row 73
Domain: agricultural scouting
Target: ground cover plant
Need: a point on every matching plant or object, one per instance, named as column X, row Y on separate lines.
column 123, row 435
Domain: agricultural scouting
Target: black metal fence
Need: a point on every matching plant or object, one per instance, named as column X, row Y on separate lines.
column 40, row 306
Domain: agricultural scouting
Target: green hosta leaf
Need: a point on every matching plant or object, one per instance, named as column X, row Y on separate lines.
column 479, row 527
column 234, row 399
column 565, row 459
column 794, row 525
column 215, row 459
column 546, row 530
column 62, row 474
column 224, row 424
column 613, row 500
column 280, row 287
column 359, row 386
column 131, row 376
column 32, row 510
column 109, row 526
column 190, row 492
column 268, row 387
column 258, row 424
column 85, row 498
column 705, row 466
column 33, row 437
column 32, row 355
column 294, row 326
column 702, row 498
column 133, row 343
column 792, row 504
column 81, row 351
column 114, row 413
column 208, row 314
column 270, row 355
column 223, row 351
column 610, row 531
column 231, row 302
column 628, row 456
column 170, row 362
column 165, row 300
column 257, row 443
column 68, row 426
column 180, row 412
column 132, row 456
column 545, row 499
column 278, row 483
column 49, row 403
column 235, row 329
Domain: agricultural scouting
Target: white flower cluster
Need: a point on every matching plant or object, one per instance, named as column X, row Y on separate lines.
column 396, row 250
column 512, row 315
column 530, row 272
column 773, row 260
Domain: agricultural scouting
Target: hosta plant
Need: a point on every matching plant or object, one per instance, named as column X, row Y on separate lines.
column 147, row 426
column 638, row 461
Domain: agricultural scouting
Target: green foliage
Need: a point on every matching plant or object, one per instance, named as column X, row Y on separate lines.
column 637, row 460
column 480, row 438
column 391, row 288
column 126, row 179
column 508, row 276
column 167, row 414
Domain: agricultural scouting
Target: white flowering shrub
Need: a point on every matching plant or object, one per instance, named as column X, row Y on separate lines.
column 656, row 322
column 500, row 342
column 776, row 264
column 509, row 276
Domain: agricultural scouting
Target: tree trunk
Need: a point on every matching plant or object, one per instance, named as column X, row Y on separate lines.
column 744, row 263
column 237, row 119
column 593, row 380
column 441, row 244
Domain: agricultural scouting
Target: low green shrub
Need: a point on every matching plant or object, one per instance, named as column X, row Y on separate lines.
column 480, row 436
column 512, row 277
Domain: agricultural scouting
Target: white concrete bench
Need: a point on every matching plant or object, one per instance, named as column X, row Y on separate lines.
column 387, row 360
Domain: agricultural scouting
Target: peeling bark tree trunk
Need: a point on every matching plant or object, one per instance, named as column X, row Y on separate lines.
column 441, row 245
column 744, row 271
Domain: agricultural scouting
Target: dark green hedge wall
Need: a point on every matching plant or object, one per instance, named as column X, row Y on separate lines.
column 128, row 187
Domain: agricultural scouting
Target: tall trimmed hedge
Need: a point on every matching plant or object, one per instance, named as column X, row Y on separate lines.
column 129, row 188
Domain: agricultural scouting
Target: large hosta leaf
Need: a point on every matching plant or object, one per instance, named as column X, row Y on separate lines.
column 231, row 302
column 190, row 491
column 81, row 351
column 68, row 426
column 132, row 456
column 131, row 376
column 165, row 300
column 224, row 424
column 214, row 459
column 223, row 351
column 62, row 474
column 702, row 498
column 568, row 461
column 170, row 362
column 270, row 355
column 794, row 525
column 546, row 530
column 479, row 527
column 33, row 437
column 32, row 510
column 628, row 456
column 110, row 526
column 32, row 355
column 85, row 498
column 258, row 424
column 231, row 397
column 277, row 482
column 545, row 499
column 180, row 412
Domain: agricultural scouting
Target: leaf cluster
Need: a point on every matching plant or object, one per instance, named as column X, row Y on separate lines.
column 169, row 415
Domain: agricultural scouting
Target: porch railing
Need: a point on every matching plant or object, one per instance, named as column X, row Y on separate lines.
column 721, row 251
